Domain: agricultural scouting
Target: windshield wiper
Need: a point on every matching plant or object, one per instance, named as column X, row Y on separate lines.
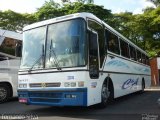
column 56, row 62
column 38, row 60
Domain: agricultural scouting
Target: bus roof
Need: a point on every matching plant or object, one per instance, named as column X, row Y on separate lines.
column 11, row 34
column 62, row 18
column 84, row 15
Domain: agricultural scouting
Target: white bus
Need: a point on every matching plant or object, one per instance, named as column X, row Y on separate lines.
column 78, row 60
column 10, row 42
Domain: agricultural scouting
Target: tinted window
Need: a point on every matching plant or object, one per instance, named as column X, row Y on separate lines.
column 139, row 59
column 133, row 53
column 124, row 48
column 143, row 59
column 147, row 60
column 99, row 29
column 113, row 43
column 10, row 46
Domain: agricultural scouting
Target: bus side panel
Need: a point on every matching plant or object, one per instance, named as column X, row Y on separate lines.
column 94, row 89
column 125, row 84
column 126, row 75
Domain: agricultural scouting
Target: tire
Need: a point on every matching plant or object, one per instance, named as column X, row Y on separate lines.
column 4, row 93
column 106, row 95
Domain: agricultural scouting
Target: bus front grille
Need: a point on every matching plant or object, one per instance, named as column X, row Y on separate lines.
column 45, row 97
column 40, row 100
column 34, row 85
column 45, row 94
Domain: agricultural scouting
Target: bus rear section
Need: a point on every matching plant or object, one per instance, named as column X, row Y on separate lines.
column 10, row 53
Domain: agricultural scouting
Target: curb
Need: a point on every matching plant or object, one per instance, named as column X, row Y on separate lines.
column 152, row 89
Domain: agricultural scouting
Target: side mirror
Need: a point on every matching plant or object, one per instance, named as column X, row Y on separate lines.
column 93, row 72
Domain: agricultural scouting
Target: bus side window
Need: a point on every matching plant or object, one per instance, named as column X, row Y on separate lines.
column 147, row 60
column 124, row 48
column 139, row 57
column 113, row 43
column 133, row 53
column 100, row 30
column 143, row 59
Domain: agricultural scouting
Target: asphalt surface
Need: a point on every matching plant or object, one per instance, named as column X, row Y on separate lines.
column 136, row 106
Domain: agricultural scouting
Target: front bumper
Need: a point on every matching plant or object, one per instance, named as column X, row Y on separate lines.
column 54, row 97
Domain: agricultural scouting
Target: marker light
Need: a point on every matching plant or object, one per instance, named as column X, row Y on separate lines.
column 81, row 84
column 22, row 85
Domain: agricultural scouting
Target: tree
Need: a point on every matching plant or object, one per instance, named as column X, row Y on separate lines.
column 125, row 23
column 97, row 10
column 142, row 29
column 11, row 20
column 51, row 9
column 155, row 2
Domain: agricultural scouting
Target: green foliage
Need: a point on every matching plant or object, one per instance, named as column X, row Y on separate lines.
column 11, row 20
column 8, row 50
column 142, row 29
column 52, row 9
column 49, row 10
column 155, row 2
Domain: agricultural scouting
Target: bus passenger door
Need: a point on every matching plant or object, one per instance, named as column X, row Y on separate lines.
column 93, row 55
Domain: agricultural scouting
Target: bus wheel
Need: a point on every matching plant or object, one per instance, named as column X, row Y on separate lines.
column 4, row 93
column 105, row 95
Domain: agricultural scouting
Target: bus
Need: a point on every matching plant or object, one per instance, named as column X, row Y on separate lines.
column 78, row 60
column 10, row 52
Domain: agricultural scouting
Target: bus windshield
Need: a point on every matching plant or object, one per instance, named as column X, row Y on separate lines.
column 64, row 45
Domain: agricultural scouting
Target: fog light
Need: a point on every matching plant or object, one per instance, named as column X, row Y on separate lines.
column 70, row 96
column 23, row 100
column 74, row 96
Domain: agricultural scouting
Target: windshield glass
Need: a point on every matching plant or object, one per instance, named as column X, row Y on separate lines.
column 33, row 42
column 65, row 45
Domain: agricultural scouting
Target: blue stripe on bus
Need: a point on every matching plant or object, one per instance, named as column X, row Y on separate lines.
column 56, row 98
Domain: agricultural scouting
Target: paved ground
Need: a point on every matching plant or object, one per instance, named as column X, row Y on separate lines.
column 132, row 107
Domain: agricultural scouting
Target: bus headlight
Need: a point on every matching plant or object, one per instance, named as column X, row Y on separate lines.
column 22, row 85
column 67, row 84
column 70, row 84
column 74, row 84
